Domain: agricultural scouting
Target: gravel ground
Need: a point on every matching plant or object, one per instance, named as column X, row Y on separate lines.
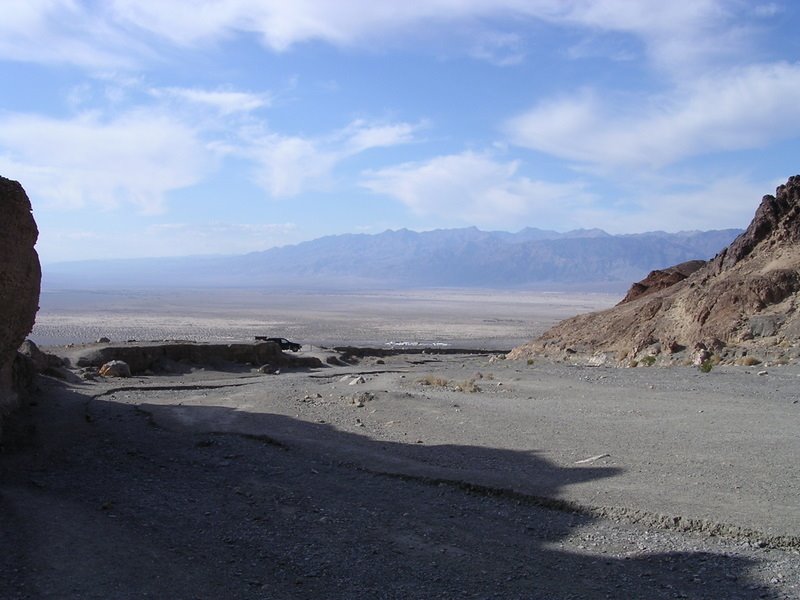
column 301, row 485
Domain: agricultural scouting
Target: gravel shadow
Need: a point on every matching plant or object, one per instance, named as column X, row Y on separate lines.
column 108, row 500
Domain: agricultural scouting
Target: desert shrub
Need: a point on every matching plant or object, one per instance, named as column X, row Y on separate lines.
column 748, row 361
column 434, row 381
column 530, row 361
column 706, row 366
column 648, row 361
column 468, row 386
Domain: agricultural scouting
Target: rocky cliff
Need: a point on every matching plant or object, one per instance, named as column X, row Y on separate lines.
column 741, row 303
column 20, row 277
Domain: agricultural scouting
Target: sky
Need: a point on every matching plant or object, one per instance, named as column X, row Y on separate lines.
column 145, row 128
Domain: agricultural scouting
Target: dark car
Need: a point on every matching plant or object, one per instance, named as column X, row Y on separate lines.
column 282, row 342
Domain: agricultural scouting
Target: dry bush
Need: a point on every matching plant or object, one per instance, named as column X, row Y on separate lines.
column 433, row 381
column 468, row 386
column 748, row 361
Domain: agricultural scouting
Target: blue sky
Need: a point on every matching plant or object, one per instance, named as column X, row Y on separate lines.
column 159, row 127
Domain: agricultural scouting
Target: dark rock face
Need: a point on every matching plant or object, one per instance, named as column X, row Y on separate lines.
column 661, row 279
column 746, row 299
column 777, row 217
column 20, row 278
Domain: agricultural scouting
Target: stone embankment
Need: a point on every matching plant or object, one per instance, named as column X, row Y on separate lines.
column 156, row 357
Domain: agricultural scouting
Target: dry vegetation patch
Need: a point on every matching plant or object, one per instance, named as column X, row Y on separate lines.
column 470, row 385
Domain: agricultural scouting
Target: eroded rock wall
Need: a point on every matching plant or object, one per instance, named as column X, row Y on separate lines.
column 20, row 279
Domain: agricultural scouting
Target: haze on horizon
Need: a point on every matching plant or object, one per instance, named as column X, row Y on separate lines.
column 144, row 128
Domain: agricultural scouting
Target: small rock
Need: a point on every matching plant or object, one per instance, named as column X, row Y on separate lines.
column 115, row 368
column 762, row 373
column 358, row 380
column 103, row 340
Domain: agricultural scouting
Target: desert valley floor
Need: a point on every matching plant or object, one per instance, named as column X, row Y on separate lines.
column 409, row 475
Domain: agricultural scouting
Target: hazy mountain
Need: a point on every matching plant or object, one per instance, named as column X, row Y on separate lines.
column 531, row 258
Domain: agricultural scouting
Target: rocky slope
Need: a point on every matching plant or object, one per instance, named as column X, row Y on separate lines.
column 742, row 303
column 20, row 278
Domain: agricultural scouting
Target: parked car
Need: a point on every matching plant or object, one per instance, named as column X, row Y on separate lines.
column 282, row 342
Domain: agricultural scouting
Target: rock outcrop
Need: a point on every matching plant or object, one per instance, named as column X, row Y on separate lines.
column 744, row 300
column 20, row 279
column 165, row 357
column 661, row 279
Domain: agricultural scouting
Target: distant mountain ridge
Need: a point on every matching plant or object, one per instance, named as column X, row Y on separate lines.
column 590, row 260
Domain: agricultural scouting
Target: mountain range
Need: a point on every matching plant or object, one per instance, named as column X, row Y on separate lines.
column 586, row 260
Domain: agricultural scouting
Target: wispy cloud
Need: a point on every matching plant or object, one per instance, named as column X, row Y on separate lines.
column 721, row 203
column 740, row 109
column 66, row 32
column 225, row 101
column 290, row 165
column 502, row 49
column 477, row 189
column 86, row 161
column 673, row 34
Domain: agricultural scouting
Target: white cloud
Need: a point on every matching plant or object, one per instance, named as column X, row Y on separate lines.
column 134, row 159
column 477, row 189
column 226, row 102
column 741, row 109
column 361, row 135
column 65, row 31
column 500, row 49
column 677, row 35
column 725, row 202
column 289, row 165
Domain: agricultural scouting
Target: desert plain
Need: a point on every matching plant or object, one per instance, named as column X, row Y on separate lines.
column 402, row 472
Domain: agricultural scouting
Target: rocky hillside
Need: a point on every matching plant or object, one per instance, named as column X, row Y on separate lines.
column 741, row 306
column 20, row 278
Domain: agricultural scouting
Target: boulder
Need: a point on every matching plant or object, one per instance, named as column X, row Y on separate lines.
column 41, row 360
column 20, row 279
column 115, row 368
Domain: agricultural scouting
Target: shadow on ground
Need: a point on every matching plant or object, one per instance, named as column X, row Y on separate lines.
column 106, row 502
